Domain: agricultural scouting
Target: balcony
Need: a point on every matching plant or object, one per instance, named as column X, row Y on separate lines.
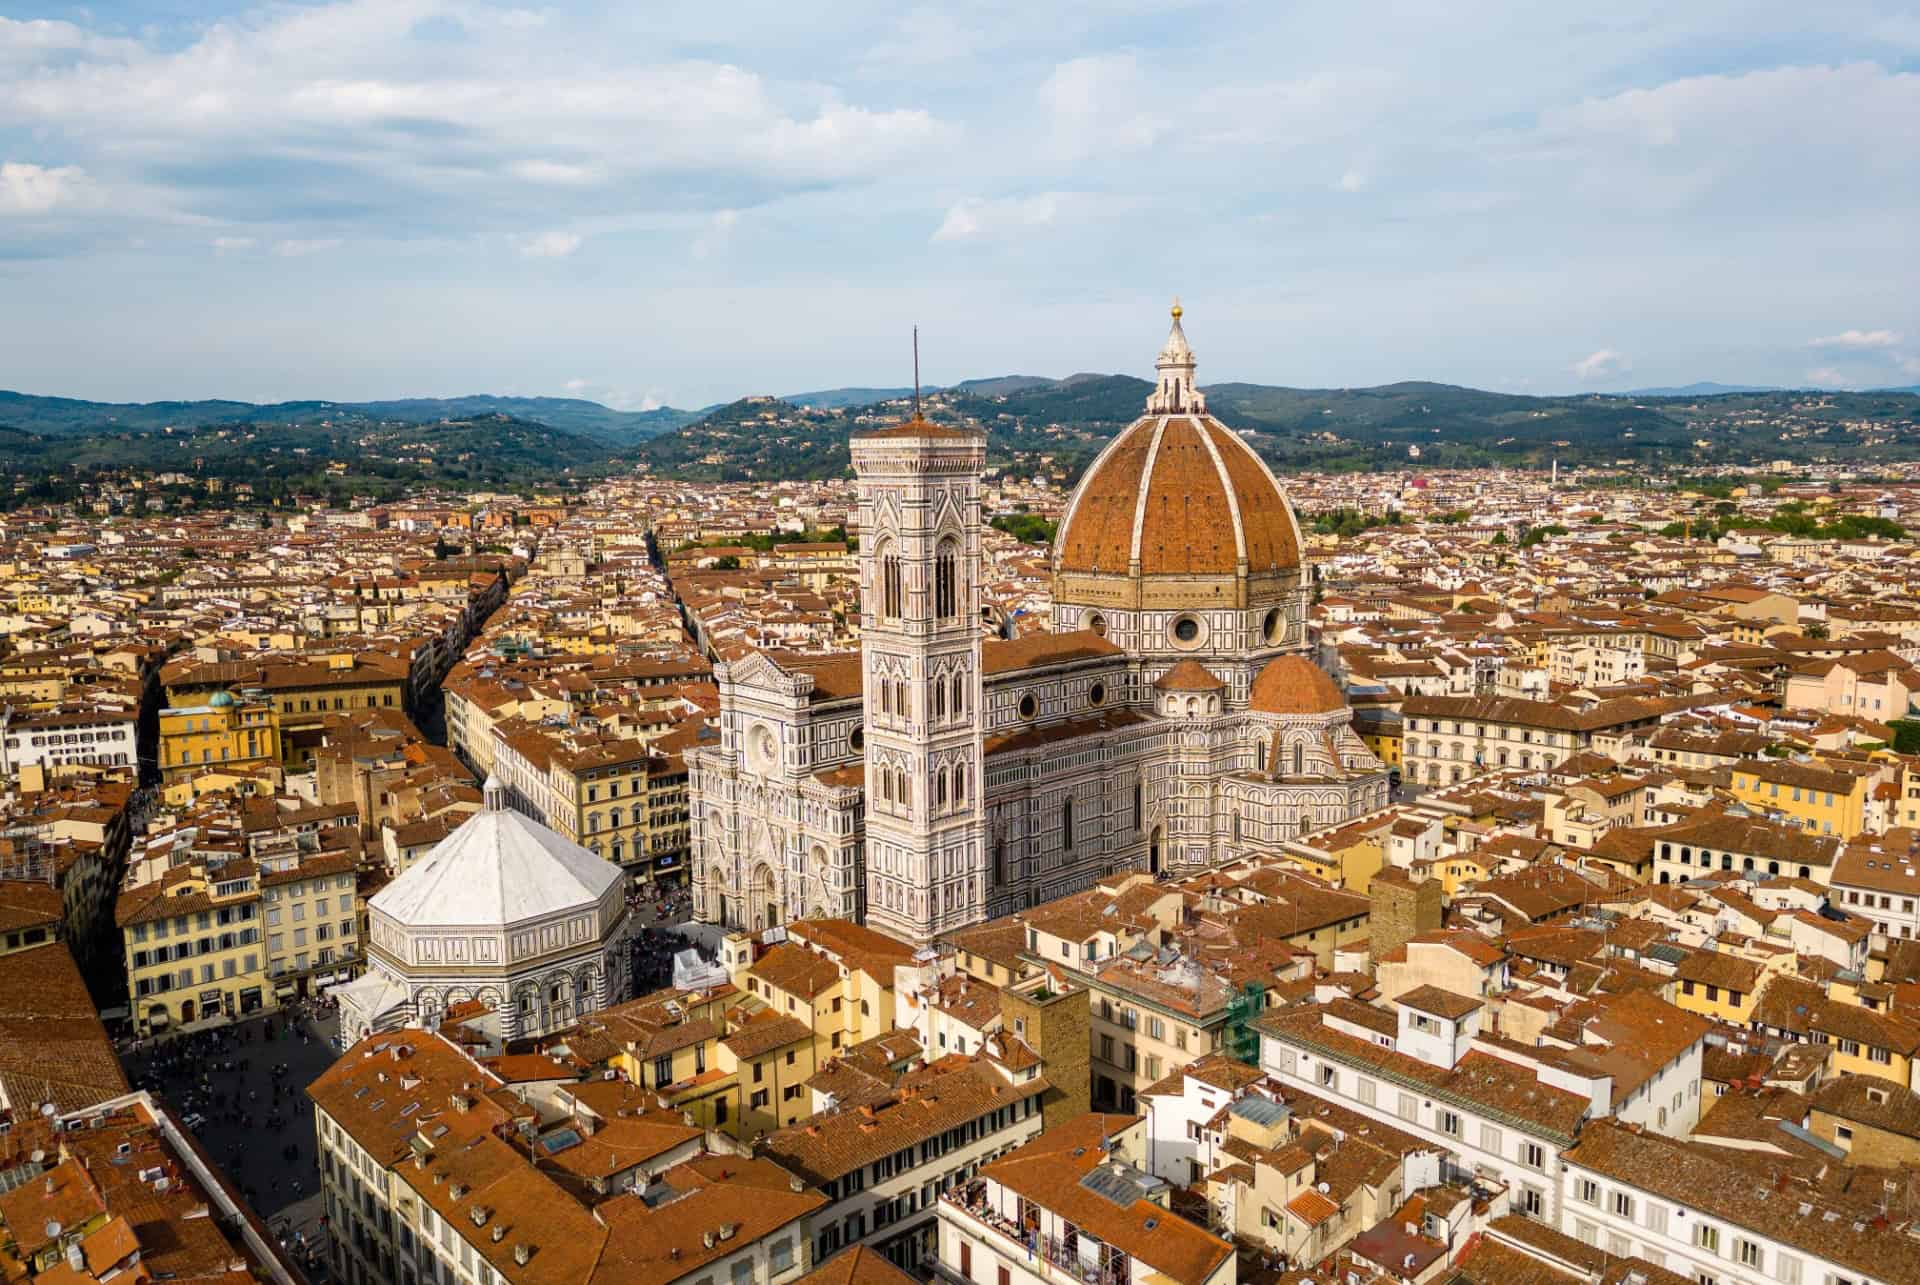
column 1065, row 1253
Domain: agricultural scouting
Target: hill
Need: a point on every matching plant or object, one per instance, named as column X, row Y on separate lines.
column 1705, row 388
column 832, row 398
column 66, row 416
column 379, row 458
column 1058, row 425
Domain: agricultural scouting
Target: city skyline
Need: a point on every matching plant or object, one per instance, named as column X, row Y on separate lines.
column 353, row 201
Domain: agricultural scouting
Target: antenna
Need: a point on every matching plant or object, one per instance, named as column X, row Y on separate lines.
column 916, row 372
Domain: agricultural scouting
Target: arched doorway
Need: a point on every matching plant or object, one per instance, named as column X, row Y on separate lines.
column 763, row 899
column 1156, row 849
column 186, row 1011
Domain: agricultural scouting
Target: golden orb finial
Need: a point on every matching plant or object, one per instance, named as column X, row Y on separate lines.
column 1177, row 309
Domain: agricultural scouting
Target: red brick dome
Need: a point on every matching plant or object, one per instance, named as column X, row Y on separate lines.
column 1294, row 685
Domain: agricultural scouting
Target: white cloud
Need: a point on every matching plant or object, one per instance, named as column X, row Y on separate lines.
column 297, row 249
column 1602, row 364
column 36, row 189
column 1352, row 181
column 1856, row 339
column 550, row 245
column 714, row 238
column 233, row 244
column 557, row 173
column 1828, row 376
column 1722, row 141
column 301, row 101
column 611, row 396
column 977, row 218
column 1093, row 105
column 1908, row 365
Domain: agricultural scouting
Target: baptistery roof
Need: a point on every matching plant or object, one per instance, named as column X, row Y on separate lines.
column 498, row 868
column 1177, row 493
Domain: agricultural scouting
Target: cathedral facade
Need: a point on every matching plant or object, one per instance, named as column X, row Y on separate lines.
column 1171, row 723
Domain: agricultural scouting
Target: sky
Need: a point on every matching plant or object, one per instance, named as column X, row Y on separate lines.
column 681, row 203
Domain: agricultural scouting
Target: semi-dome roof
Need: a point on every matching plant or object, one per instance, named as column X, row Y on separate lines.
column 1294, row 685
column 498, row 868
column 1178, row 493
column 1189, row 676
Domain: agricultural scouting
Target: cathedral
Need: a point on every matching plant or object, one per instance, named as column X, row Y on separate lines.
column 1172, row 722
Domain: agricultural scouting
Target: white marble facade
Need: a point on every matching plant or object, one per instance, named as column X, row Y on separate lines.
column 942, row 777
column 503, row 911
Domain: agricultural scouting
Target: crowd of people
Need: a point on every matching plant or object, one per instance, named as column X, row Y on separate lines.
column 237, row 1089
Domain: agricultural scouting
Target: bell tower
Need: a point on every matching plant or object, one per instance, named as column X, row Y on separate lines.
column 919, row 496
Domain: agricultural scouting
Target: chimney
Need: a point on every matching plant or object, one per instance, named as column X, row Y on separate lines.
column 522, row 1252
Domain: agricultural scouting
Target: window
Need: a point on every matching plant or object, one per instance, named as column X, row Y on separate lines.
column 743, row 1272
column 1490, row 1139
column 1363, row 1089
column 1533, row 1155
column 1449, row 1122
column 1748, row 1253
column 1707, row 1237
column 1656, row 1218
column 946, row 580
column 1066, row 823
column 1623, row 1205
column 1586, row 1191
column 889, row 583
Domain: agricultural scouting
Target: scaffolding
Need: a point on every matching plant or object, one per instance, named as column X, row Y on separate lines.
column 1245, row 1008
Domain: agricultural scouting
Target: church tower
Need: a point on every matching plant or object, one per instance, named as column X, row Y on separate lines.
column 919, row 489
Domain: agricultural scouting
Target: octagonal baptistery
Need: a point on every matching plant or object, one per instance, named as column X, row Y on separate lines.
column 503, row 912
column 1179, row 543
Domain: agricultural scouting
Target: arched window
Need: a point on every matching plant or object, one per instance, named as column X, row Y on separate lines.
column 960, row 785
column 1236, row 827
column 940, row 789
column 619, row 850
column 946, row 579
column 613, row 818
column 959, row 698
column 889, row 582
column 1066, row 825
column 1299, row 758
column 939, row 701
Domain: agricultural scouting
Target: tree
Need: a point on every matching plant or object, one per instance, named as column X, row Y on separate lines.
column 1818, row 629
column 726, row 563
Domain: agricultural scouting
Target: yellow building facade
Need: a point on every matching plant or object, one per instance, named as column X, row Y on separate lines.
column 224, row 732
column 194, row 951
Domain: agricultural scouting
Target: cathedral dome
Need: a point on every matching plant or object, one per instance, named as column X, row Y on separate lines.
column 1177, row 494
column 1294, row 685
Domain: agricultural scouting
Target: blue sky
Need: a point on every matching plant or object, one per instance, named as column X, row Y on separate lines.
column 682, row 203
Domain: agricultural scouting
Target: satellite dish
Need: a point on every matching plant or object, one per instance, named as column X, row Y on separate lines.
column 46, row 1109
column 53, row 1230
